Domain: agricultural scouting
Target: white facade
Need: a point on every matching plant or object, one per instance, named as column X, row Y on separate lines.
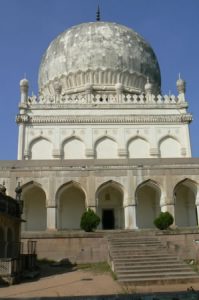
column 154, row 128
column 98, row 103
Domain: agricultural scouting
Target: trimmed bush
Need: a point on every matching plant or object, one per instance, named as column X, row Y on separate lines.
column 164, row 220
column 89, row 220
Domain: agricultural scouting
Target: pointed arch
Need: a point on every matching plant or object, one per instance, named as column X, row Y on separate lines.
column 109, row 203
column 185, row 195
column 106, row 147
column 34, row 213
column 40, row 148
column 73, row 148
column 147, row 195
column 138, row 147
column 169, row 146
column 71, row 202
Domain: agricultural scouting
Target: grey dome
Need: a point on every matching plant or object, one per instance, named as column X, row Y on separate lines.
column 99, row 54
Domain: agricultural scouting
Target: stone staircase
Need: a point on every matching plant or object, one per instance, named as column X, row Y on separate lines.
column 139, row 259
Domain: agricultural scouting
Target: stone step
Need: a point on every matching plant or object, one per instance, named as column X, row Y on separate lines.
column 145, row 268
column 145, row 260
column 151, row 275
column 132, row 271
column 134, row 240
column 147, row 263
column 137, row 253
column 136, row 244
column 140, row 249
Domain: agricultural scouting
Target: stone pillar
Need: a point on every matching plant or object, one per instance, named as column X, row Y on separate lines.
column 197, row 207
column 119, row 90
column 51, row 218
column 21, row 139
column 130, row 217
column 89, row 91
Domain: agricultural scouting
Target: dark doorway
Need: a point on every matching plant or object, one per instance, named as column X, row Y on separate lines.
column 108, row 221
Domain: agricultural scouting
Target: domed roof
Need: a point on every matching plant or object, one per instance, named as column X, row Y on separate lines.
column 101, row 55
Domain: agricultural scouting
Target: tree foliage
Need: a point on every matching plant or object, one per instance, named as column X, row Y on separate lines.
column 164, row 220
column 89, row 220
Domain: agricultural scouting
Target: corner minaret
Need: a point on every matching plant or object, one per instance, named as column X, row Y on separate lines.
column 24, row 85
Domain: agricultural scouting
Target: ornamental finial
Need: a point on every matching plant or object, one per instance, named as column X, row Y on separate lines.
column 181, row 85
column 98, row 18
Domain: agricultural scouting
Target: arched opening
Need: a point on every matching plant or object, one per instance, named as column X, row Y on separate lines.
column 73, row 149
column 138, row 148
column 110, row 205
column 41, row 149
column 148, row 204
column 2, row 243
column 106, row 148
column 185, row 207
column 169, row 147
column 71, row 203
column 34, row 208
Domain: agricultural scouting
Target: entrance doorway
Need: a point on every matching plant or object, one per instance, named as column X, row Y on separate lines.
column 108, row 220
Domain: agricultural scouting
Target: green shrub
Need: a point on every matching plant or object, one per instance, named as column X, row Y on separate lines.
column 164, row 220
column 89, row 220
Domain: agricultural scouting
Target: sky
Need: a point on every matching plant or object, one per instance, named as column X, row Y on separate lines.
column 28, row 26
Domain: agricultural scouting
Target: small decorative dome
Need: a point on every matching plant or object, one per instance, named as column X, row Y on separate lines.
column 24, row 82
column 101, row 54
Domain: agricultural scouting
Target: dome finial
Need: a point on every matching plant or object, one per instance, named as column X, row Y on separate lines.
column 98, row 17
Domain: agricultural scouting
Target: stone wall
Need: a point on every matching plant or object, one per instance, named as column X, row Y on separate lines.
column 77, row 247
column 185, row 244
column 83, row 247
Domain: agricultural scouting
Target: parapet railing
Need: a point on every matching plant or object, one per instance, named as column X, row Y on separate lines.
column 106, row 98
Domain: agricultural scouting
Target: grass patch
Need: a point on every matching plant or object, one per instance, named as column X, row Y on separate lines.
column 97, row 268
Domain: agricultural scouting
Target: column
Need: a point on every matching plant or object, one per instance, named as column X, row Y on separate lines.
column 130, row 216
column 197, row 207
column 51, row 217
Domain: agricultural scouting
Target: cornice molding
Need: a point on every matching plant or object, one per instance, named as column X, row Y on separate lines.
column 127, row 119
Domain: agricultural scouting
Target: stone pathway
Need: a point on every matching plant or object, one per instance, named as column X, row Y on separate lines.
column 82, row 283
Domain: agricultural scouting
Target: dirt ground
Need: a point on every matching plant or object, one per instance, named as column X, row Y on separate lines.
column 60, row 283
